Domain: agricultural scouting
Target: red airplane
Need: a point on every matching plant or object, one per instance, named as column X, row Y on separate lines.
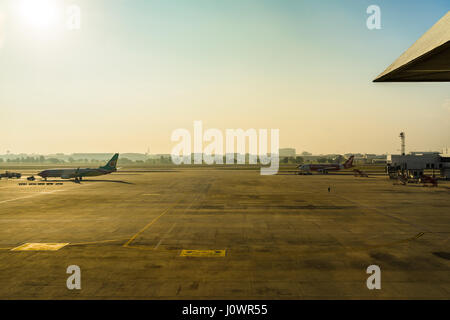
column 324, row 168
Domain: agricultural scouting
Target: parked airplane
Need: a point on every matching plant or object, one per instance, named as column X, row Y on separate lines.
column 78, row 174
column 324, row 168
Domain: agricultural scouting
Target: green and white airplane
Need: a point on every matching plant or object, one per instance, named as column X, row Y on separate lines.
column 78, row 174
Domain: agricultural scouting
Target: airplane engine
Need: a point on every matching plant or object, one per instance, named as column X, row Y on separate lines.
column 66, row 176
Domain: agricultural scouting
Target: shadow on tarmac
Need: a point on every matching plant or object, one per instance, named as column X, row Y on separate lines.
column 114, row 181
column 90, row 180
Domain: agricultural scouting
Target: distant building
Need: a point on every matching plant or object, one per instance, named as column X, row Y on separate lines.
column 375, row 158
column 415, row 163
column 379, row 160
column 286, row 152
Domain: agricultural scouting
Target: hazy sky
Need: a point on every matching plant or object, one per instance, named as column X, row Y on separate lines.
column 137, row 70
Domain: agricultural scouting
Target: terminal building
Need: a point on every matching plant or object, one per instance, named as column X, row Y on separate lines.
column 415, row 163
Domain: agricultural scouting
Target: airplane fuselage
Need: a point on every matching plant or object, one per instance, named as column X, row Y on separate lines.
column 73, row 173
column 326, row 167
column 321, row 167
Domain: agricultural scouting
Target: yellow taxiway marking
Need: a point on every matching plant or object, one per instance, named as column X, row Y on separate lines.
column 94, row 242
column 202, row 253
column 40, row 247
column 145, row 228
column 151, row 194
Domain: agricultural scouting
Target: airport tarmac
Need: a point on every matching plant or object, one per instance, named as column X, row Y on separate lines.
column 135, row 235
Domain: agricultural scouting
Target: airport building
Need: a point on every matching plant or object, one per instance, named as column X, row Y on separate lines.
column 415, row 163
column 286, row 152
column 369, row 158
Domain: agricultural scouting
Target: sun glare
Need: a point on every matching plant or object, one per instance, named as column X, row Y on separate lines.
column 40, row 14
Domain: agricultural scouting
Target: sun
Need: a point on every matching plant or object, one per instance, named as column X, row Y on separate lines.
column 39, row 14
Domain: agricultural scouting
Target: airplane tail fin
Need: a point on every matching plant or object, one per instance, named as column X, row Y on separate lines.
column 349, row 162
column 112, row 164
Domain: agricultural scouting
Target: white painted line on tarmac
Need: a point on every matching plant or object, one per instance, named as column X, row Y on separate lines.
column 165, row 235
column 33, row 195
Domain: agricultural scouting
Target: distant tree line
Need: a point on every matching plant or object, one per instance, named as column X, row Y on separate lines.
column 156, row 160
column 42, row 159
column 52, row 160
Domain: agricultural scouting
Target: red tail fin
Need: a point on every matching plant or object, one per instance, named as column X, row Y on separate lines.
column 349, row 162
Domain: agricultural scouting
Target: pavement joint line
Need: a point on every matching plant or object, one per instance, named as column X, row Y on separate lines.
column 380, row 212
column 417, row 236
column 367, row 247
column 165, row 235
column 390, row 244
